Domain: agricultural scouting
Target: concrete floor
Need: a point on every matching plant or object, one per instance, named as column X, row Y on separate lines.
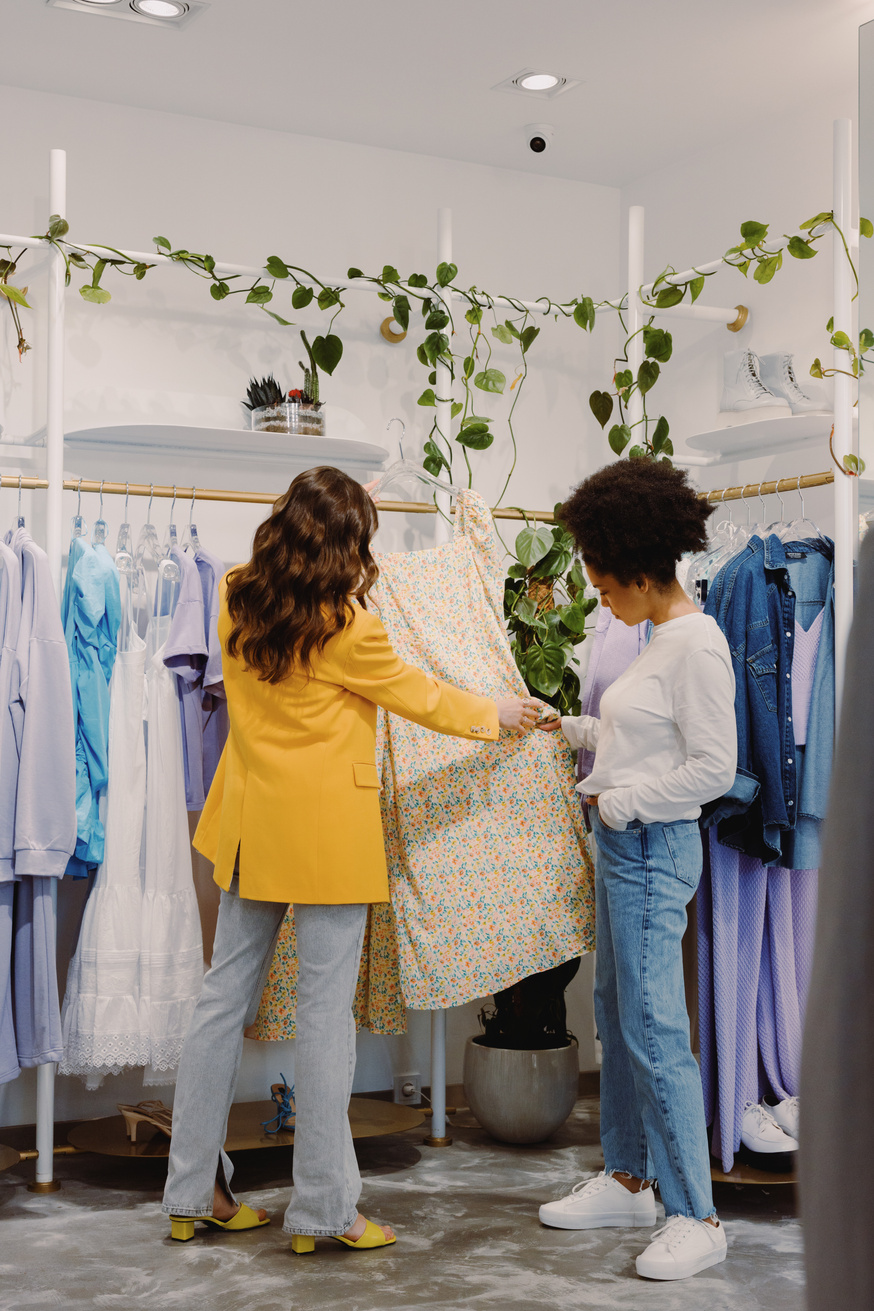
column 468, row 1237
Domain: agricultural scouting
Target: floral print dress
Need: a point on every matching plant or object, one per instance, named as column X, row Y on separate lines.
column 489, row 869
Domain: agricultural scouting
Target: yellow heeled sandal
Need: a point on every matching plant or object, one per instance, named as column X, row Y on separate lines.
column 372, row 1237
column 182, row 1227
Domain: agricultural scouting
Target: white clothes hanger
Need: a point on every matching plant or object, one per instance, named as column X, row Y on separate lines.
column 407, row 471
column 801, row 528
column 78, row 526
column 19, row 522
column 101, row 528
column 189, row 532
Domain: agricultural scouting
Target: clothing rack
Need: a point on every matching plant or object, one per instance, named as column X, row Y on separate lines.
column 775, row 486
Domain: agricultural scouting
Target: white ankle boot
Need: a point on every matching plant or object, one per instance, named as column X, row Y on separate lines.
column 777, row 374
column 743, row 388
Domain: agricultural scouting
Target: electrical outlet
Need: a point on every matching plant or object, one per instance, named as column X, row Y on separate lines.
column 408, row 1089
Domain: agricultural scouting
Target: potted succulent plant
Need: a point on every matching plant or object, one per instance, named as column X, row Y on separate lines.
column 298, row 412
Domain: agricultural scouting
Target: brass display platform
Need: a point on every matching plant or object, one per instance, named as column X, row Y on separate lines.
column 368, row 1117
column 8, row 1157
column 748, row 1174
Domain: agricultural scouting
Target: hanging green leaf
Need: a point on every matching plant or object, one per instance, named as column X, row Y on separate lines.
column 657, row 344
column 766, row 269
column 544, row 667
column 468, row 366
column 259, row 295
column 279, row 319
column 457, row 407
column 528, row 337
column 436, row 344
column 475, row 429
column 417, row 280
column 401, row 311
column 669, row 296
column 584, row 314
column 436, row 321
column 475, row 440
column 601, row 405
column 474, row 315
column 58, row 227
column 753, row 233
column 618, row 437
column 219, row 290
column 327, row 352
column 853, row 464
column 511, row 328
column 276, row 267
column 825, row 217
column 427, row 397
column 660, row 435
column 866, row 228
column 490, row 380
column 866, row 340
column 647, row 375
column 301, row 297
column 800, row 248
column 435, row 460
column 696, row 286
column 97, row 295
column 446, row 273
column 389, row 274
column 638, row 453
column 574, row 617
column 744, row 266
column 503, row 334
column 16, row 295
column 162, row 242
column 328, row 297
column 354, row 273
column 816, row 368
column 140, row 271
column 525, row 610
column 532, row 544
column 623, row 380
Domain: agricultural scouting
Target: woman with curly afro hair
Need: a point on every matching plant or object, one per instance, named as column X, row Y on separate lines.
column 664, row 746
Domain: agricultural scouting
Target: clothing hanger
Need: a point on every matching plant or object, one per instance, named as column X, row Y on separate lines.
column 124, row 542
column 407, row 470
column 189, row 532
column 798, row 529
column 171, row 539
column 101, row 528
column 78, row 526
column 129, row 577
column 19, row 523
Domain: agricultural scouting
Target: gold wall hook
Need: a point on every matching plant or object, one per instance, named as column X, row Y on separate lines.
column 742, row 315
column 385, row 329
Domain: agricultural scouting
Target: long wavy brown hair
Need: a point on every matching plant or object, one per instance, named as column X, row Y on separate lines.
column 309, row 558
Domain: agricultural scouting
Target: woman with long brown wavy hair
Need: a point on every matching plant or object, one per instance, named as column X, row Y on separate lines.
column 293, row 817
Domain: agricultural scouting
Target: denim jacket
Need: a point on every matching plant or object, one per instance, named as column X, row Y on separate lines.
column 754, row 599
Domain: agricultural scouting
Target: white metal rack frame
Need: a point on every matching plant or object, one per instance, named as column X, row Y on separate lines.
column 638, row 311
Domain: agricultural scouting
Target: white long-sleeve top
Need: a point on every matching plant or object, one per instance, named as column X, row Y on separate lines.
column 666, row 742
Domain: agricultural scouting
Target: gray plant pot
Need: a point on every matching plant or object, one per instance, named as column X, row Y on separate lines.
column 521, row 1097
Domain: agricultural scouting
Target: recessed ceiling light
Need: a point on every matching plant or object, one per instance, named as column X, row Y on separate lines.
column 534, row 82
column 160, row 8
column 539, row 81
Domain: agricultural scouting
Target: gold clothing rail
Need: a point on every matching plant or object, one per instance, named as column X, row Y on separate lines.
column 748, row 490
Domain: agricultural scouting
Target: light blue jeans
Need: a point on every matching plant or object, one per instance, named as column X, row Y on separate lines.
column 327, row 1184
column 652, row 1107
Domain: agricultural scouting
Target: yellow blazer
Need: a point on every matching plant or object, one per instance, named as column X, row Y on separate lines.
column 297, row 789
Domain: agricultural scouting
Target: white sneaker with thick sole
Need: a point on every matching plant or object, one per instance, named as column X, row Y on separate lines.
column 743, row 389
column 776, row 372
column 760, row 1132
column 682, row 1248
column 786, row 1115
column 599, row 1203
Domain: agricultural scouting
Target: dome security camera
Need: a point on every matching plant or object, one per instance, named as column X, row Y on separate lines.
column 539, row 137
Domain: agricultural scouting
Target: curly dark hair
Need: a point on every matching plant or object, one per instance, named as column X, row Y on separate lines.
column 310, row 556
column 635, row 519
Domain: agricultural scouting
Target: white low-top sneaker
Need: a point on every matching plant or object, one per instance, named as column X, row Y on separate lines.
column 786, row 1115
column 681, row 1248
column 760, row 1132
column 598, row 1203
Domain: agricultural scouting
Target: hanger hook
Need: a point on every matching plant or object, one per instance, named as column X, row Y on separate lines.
column 191, row 511
column 19, row 496
column 801, row 497
column 402, row 436
column 126, row 499
column 780, row 499
column 173, row 504
column 151, row 497
column 100, row 511
column 762, row 502
column 79, row 506
column 749, row 507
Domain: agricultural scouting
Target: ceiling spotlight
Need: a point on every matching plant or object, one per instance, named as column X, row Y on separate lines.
column 160, row 8
column 539, row 81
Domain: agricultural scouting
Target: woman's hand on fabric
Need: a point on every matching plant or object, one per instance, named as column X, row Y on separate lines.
column 518, row 713
column 548, row 722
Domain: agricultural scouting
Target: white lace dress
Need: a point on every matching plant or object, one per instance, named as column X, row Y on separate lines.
column 171, row 948
column 101, row 1015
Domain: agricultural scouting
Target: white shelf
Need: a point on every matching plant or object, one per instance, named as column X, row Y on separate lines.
column 763, row 436
column 233, row 445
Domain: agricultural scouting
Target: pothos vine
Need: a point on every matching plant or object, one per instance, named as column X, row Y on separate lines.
column 544, row 601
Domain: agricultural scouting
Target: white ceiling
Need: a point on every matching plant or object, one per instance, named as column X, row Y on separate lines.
column 658, row 80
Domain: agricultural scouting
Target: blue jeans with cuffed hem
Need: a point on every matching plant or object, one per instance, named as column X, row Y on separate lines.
column 652, row 1108
column 327, row 1184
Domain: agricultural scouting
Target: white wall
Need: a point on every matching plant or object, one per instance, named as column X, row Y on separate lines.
column 163, row 348
column 781, row 176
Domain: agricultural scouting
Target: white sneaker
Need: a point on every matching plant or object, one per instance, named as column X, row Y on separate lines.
column 777, row 374
column 786, row 1115
column 598, row 1203
column 681, row 1248
column 760, row 1132
column 743, row 388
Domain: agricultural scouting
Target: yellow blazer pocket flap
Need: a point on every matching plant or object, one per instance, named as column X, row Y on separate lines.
column 366, row 775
